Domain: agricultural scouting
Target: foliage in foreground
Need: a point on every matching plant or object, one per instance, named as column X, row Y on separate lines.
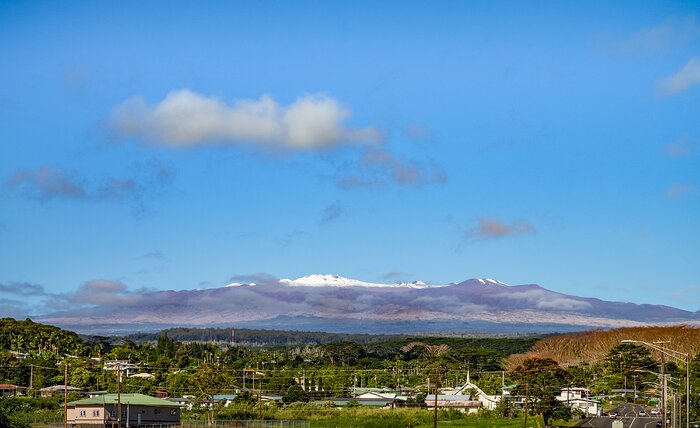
column 325, row 416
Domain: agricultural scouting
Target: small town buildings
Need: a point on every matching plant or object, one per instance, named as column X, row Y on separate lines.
column 126, row 367
column 580, row 398
column 489, row 402
column 136, row 410
column 57, row 390
column 463, row 403
column 378, row 395
column 11, row 390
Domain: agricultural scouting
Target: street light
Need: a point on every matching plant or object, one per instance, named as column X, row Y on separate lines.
column 678, row 356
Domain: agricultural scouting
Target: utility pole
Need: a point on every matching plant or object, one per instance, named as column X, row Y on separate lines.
column 437, row 379
column 65, row 395
column 663, row 391
column 527, row 392
column 682, row 357
column 119, row 397
column 31, row 376
column 687, row 390
column 259, row 401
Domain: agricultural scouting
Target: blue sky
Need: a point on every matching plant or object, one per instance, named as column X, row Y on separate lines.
column 180, row 145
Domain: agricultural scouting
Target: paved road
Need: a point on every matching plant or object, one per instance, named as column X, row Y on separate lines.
column 629, row 415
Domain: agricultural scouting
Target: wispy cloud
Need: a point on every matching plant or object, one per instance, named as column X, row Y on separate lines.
column 492, row 228
column 287, row 239
column 417, row 132
column 187, row 118
column 394, row 276
column 544, row 299
column 685, row 294
column 51, row 182
column 103, row 292
column 152, row 255
column 255, row 278
column 687, row 77
column 672, row 33
column 682, row 147
column 378, row 167
column 46, row 183
column 680, row 190
column 23, row 289
column 332, row 212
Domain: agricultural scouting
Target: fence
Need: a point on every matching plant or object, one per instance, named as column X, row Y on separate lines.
column 216, row 424
column 247, row 424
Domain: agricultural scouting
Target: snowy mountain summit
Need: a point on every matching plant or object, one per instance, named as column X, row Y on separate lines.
column 326, row 280
column 491, row 281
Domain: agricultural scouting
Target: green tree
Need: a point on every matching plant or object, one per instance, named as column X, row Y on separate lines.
column 541, row 379
column 295, row 394
column 208, row 380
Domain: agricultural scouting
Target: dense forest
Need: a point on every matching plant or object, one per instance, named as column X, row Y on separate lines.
column 271, row 338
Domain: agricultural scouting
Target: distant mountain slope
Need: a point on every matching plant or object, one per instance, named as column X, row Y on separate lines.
column 334, row 303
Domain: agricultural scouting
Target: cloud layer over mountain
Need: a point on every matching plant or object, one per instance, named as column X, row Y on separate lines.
column 337, row 299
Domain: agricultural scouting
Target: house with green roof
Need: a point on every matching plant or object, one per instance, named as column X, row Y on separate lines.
column 136, row 410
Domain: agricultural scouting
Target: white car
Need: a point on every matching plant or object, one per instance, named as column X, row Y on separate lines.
column 642, row 413
column 654, row 412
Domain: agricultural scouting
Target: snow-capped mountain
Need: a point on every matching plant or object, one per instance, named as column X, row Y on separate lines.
column 334, row 303
column 317, row 280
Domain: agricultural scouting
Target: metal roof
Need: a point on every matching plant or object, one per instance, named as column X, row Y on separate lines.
column 132, row 399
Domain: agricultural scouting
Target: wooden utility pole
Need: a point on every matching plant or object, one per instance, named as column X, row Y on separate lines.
column 259, row 400
column 119, row 397
column 436, row 398
column 527, row 392
column 65, row 395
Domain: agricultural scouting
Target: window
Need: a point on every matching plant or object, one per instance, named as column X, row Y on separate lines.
column 95, row 413
column 83, row 413
column 173, row 412
column 123, row 413
column 156, row 411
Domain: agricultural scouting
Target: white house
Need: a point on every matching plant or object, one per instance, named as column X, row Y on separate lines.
column 579, row 398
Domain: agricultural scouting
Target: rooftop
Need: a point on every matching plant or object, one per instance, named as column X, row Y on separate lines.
column 133, row 399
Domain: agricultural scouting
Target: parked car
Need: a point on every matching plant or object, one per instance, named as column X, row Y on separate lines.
column 642, row 413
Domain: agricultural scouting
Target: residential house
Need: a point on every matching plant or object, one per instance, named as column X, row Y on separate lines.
column 368, row 402
column 57, row 390
column 136, row 410
column 580, row 398
column 463, row 403
column 11, row 390
column 126, row 367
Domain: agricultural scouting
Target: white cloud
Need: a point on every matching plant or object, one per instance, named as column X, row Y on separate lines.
column 544, row 299
column 186, row 118
column 688, row 76
column 672, row 33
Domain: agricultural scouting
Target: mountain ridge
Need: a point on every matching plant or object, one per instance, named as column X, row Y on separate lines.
column 331, row 300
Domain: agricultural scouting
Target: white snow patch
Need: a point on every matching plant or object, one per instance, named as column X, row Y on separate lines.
column 319, row 280
column 238, row 284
